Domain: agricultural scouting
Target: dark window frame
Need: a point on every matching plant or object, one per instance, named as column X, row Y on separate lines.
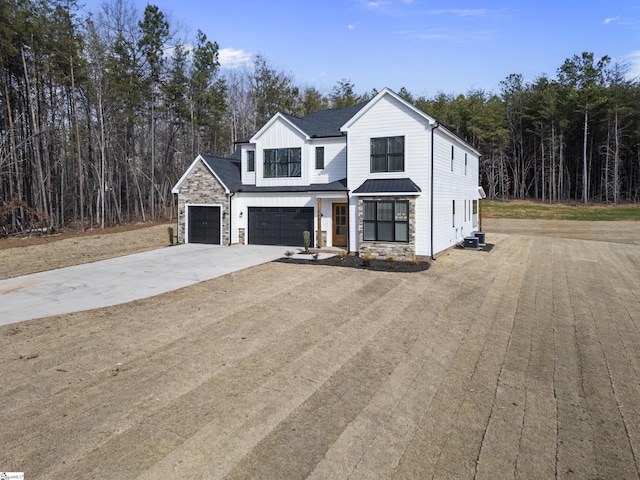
column 387, row 160
column 453, row 213
column 452, row 157
column 319, row 158
column 374, row 228
column 251, row 160
column 282, row 162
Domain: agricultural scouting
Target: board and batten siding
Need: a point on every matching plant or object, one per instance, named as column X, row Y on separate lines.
column 335, row 160
column 282, row 135
column 390, row 118
column 248, row 178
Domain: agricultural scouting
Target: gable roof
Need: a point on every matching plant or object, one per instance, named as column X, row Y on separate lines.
column 320, row 124
column 386, row 92
column 428, row 118
column 226, row 171
column 326, row 123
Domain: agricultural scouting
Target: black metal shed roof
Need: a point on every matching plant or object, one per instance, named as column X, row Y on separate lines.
column 387, row 186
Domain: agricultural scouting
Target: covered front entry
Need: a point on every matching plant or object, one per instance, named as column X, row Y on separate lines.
column 204, row 224
column 279, row 225
column 340, row 224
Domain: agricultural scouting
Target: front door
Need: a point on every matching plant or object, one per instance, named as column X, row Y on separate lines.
column 340, row 228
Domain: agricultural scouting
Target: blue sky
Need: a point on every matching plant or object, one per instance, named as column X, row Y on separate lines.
column 425, row 46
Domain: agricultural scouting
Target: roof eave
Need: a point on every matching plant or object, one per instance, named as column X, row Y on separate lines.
column 271, row 122
column 385, row 91
column 199, row 158
column 386, row 194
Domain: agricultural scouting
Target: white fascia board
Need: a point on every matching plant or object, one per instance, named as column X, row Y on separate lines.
column 270, row 123
column 481, row 192
column 386, row 91
column 176, row 188
column 456, row 138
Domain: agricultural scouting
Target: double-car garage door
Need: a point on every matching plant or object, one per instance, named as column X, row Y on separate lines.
column 279, row 225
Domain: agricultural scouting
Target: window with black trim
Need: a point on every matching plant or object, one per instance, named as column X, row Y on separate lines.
column 453, row 213
column 319, row 158
column 251, row 161
column 386, row 220
column 282, row 162
column 387, row 154
column 465, row 163
column 452, row 157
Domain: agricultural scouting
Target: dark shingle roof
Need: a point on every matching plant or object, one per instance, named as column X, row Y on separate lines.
column 227, row 169
column 325, row 123
column 391, row 185
column 338, row 186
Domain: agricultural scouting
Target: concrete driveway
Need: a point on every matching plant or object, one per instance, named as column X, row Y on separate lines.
column 124, row 279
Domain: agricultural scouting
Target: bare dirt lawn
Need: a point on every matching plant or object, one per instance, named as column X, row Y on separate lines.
column 21, row 256
column 519, row 362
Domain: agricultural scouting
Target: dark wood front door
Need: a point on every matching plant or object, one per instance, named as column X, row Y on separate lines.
column 340, row 224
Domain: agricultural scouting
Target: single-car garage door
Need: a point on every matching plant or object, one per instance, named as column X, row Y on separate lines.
column 279, row 225
column 204, row 224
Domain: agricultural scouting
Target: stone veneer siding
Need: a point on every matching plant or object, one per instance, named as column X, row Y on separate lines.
column 202, row 188
column 399, row 250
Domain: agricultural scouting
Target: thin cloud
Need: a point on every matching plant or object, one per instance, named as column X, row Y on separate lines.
column 607, row 21
column 457, row 35
column 374, row 4
column 434, row 34
column 473, row 12
column 233, row 58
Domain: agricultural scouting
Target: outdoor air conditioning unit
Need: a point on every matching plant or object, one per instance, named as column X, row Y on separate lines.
column 481, row 237
column 472, row 242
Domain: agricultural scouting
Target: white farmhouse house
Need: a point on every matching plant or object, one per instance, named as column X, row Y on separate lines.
column 381, row 177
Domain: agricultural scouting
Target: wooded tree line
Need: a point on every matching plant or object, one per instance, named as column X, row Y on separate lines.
column 575, row 137
column 101, row 115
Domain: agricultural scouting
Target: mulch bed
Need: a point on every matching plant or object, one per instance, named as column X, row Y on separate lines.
column 351, row 261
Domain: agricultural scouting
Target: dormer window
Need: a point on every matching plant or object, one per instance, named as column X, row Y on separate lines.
column 282, row 162
column 387, row 154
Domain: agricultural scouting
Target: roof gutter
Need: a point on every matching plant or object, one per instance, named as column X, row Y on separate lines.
column 231, row 195
column 433, row 128
column 346, row 164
